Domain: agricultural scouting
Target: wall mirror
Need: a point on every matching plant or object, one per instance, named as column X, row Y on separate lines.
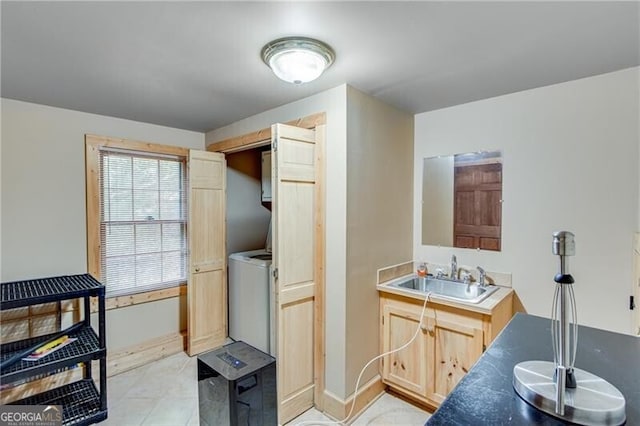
column 462, row 200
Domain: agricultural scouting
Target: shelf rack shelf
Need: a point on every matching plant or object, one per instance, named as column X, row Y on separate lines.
column 16, row 294
column 85, row 349
column 82, row 402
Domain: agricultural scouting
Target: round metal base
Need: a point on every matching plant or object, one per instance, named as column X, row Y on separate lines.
column 593, row 402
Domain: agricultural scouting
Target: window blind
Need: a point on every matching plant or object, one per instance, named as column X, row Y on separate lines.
column 143, row 221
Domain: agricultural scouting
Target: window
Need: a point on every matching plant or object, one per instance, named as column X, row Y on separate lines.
column 143, row 220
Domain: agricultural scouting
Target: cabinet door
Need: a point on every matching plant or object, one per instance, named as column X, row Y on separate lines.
column 452, row 349
column 406, row 368
column 207, row 285
column 294, row 257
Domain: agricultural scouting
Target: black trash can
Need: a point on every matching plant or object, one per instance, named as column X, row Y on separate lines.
column 237, row 386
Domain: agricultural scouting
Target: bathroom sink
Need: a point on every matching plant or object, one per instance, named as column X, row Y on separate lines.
column 445, row 288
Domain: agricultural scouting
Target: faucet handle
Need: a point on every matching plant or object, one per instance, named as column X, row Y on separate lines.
column 439, row 273
column 482, row 276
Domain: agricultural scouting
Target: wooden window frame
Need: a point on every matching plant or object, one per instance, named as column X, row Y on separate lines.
column 93, row 143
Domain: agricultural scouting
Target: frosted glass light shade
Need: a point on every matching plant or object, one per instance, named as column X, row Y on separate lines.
column 297, row 66
column 297, row 59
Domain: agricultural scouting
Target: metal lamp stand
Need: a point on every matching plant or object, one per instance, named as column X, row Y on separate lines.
column 558, row 388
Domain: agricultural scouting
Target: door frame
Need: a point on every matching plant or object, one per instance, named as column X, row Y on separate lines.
column 260, row 138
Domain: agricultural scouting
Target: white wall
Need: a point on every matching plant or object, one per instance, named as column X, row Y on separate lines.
column 571, row 160
column 43, row 202
column 333, row 102
column 379, row 218
column 247, row 218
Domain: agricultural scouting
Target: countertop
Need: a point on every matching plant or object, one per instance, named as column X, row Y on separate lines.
column 484, row 307
column 485, row 396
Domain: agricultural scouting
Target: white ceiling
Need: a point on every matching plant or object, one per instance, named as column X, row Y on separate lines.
column 196, row 65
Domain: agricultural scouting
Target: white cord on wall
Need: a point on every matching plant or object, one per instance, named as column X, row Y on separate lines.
column 355, row 393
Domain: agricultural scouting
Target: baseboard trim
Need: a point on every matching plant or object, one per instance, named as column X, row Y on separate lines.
column 295, row 404
column 338, row 408
column 141, row 354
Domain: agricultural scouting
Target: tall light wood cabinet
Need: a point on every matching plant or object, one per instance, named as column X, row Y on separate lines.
column 448, row 343
column 207, row 285
column 294, row 263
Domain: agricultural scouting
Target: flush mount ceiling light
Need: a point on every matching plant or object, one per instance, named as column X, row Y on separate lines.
column 297, row 59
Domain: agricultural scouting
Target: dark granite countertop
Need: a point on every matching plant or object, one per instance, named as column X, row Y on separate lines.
column 485, row 396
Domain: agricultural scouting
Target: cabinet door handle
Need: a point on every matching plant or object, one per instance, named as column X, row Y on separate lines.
column 197, row 269
column 427, row 330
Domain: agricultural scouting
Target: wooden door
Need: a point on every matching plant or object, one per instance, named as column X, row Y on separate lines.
column 294, row 180
column 478, row 206
column 207, row 285
column 453, row 348
column 406, row 368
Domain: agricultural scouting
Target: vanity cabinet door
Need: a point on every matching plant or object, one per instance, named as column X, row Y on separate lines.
column 452, row 348
column 406, row 368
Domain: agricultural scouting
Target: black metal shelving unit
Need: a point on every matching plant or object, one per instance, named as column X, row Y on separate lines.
column 82, row 402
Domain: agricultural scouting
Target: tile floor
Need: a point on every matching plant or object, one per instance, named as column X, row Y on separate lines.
column 166, row 393
column 386, row 410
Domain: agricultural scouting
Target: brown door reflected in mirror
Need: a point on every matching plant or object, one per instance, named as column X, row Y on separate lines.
column 477, row 204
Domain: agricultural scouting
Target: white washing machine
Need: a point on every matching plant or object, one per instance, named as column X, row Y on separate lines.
column 250, row 299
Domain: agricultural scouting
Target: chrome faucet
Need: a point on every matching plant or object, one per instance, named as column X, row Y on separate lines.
column 482, row 277
column 453, row 274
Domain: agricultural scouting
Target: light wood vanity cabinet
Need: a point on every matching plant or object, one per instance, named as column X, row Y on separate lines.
column 449, row 342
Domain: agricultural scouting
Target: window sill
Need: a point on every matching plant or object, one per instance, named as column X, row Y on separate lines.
column 138, row 298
